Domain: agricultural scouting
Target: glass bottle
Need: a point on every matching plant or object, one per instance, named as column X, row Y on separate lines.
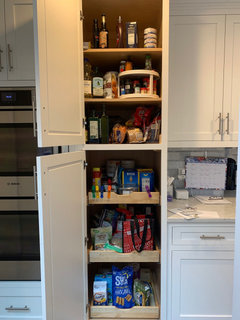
column 104, row 127
column 87, row 79
column 103, row 34
column 95, row 34
column 97, row 84
column 93, row 128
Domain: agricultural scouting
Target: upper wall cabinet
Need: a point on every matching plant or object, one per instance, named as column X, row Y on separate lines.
column 16, row 43
column 204, row 81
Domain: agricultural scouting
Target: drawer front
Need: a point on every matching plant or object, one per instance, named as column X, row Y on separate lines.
column 22, row 307
column 203, row 236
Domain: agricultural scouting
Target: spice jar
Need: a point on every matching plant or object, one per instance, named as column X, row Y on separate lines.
column 128, row 86
column 136, row 86
column 122, row 66
column 128, row 65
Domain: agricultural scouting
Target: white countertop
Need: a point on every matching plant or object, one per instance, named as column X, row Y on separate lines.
column 226, row 212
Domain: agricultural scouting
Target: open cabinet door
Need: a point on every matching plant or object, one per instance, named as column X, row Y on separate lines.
column 61, row 190
column 59, row 72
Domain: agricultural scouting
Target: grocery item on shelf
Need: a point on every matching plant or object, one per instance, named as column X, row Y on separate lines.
column 118, row 133
column 107, row 277
column 104, row 127
column 87, row 79
column 97, row 84
column 119, row 30
column 122, row 65
column 100, row 293
column 148, row 62
column 110, row 82
column 150, row 38
column 97, row 177
column 141, row 292
column 103, row 34
column 93, row 128
column 95, row 34
column 131, row 35
column 146, row 178
column 122, row 280
column 128, row 65
column 100, row 236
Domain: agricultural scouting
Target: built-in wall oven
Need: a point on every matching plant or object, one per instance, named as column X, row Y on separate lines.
column 19, row 233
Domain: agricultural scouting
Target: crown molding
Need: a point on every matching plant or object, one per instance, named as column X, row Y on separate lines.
column 198, row 7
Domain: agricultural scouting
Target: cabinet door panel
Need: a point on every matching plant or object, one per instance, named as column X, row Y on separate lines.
column 19, row 36
column 59, row 72
column 61, row 189
column 196, row 77
column 232, row 78
column 3, row 61
column 202, row 284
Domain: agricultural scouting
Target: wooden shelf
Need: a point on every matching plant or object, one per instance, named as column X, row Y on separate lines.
column 112, row 312
column 147, row 99
column 141, row 96
column 113, row 56
column 112, row 256
column 132, row 198
column 126, row 146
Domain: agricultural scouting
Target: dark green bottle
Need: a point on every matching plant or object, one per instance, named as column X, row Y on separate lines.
column 93, row 128
column 104, row 127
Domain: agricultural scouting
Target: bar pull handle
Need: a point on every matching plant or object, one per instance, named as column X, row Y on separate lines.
column 218, row 237
column 228, row 126
column 1, row 67
column 12, row 308
column 35, row 182
column 10, row 58
column 220, row 123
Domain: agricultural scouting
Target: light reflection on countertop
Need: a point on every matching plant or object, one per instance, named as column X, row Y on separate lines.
column 226, row 212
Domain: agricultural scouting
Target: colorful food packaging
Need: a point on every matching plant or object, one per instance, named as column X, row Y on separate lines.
column 141, row 293
column 134, row 135
column 100, row 236
column 108, row 278
column 100, row 293
column 122, row 287
column 110, row 86
column 118, row 133
column 131, row 34
column 130, row 177
column 146, row 178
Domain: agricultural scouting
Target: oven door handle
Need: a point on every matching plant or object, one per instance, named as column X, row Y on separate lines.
column 35, row 182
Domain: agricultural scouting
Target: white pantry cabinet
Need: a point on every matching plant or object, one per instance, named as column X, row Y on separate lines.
column 16, row 43
column 68, row 262
column 204, row 81
column 200, row 282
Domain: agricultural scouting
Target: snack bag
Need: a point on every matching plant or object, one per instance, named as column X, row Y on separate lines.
column 142, row 292
column 122, row 287
column 108, row 278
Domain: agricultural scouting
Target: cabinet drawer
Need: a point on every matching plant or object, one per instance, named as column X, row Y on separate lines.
column 203, row 235
column 22, row 307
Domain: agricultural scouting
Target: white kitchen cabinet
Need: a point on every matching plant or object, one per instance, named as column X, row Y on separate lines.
column 68, row 262
column 16, row 42
column 200, row 282
column 231, row 101
column 204, row 81
column 20, row 300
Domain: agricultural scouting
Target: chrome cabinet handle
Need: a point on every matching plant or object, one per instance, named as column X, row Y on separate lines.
column 228, row 126
column 35, row 182
column 9, row 58
column 218, row 237
column 1, row 67
column 220, row 123
column 12, row 308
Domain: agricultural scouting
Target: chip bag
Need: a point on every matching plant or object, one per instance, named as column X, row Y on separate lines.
column 122, row 283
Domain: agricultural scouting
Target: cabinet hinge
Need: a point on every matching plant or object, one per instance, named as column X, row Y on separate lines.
column 87, row 307
column 84, row 122
column 35, row 183
column 86, row 241
column 81, row 16
column 85, row 164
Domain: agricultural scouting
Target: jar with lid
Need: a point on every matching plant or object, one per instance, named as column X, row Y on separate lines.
column 128, row 86
column 136, row 86
column 122, row 66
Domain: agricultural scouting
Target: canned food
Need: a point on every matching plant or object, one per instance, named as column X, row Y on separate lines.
column 150, row 30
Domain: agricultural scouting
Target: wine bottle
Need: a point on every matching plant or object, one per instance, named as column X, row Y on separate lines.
column 103, row 34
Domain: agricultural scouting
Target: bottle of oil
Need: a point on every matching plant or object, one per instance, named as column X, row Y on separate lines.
column 87, row 79
column 97, row 84
column 93, row 128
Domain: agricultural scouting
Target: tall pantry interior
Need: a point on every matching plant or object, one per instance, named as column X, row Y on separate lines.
column 148, row 155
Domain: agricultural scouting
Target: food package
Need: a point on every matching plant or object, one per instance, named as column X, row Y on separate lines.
column 141, row 293
column 153, row 131
column 100, row 236
column 130, row 177
column 110, row 87
column 100, row 293
column 146, row 178
column 118, row 133
column 135, row 135
column 122, row 287
column 108, row 278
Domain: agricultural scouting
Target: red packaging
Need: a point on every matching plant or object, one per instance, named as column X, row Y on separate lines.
column 138, row 234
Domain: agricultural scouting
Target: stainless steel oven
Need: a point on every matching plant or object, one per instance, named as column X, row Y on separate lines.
column 19, row 240
column 18, row 142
